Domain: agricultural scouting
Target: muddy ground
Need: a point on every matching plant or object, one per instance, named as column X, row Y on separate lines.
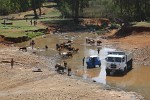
column 21, row 83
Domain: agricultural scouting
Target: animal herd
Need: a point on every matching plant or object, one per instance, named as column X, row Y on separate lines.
column 92, row 41
column 67, row 46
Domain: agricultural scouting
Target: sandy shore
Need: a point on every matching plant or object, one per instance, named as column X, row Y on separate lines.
column 20, row 83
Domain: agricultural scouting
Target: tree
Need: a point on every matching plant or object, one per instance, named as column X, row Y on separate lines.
column 34, row 6
column 72, row 8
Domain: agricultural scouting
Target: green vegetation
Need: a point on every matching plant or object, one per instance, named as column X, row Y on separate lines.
column 67, row 13
column 13, row 34
column 33, row 34
column 144, row 24
column 18, row 29
column 15, row 6
column 51, row 14
column 127, row 10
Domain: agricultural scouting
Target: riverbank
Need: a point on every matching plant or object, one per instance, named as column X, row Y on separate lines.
column 21, row 83
column 136, row 42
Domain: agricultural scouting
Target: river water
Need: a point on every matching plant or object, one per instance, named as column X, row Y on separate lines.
column 137, row 79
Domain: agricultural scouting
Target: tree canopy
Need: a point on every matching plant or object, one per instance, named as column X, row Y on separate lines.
column 129, row 10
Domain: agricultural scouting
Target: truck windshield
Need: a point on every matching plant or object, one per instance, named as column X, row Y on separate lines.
column 114, row 59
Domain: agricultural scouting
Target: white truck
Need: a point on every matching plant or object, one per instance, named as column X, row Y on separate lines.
column 118, row 61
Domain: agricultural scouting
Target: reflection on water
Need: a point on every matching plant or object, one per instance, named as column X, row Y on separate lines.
column 102, row 75
column 136, row 80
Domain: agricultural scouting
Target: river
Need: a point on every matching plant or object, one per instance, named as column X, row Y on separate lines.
column 136, row 80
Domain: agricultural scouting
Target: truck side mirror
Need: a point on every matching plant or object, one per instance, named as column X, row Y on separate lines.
column 106, row 59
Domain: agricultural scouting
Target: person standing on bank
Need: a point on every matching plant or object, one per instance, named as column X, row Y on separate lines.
column 12, row 63
column 26, row 19
column 31, row 21
column 4, row 22
column 32, row 43
column 34, row 22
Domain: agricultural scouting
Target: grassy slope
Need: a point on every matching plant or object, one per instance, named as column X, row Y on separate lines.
column 18, row 29
column 144, row 24
column 20, row 26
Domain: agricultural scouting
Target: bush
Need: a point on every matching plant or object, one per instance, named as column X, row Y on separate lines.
column 33, row 34
column 4, row 11
column 114, row 26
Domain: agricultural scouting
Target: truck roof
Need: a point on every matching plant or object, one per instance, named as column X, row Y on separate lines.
column 112, row 55
column 119, row 52
column 92, row 56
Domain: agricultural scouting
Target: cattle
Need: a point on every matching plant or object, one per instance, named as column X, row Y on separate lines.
column 59, row 47
column 69, row 54
column 59, row 68
column 71, row 48
column 98, row 42
column 23, row 49
column 67, row 45
column 90, row 41
column 76, row 50
column 66, row 54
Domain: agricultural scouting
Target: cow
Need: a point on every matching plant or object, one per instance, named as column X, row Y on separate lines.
column 23, row 49
column 98, row 42
column 59, row 68
column 69, row 54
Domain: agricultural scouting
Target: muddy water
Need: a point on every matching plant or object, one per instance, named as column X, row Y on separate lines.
column 137, row 80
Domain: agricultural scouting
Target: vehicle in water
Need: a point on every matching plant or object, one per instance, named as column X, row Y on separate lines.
column 93, row 61
column 118, row 61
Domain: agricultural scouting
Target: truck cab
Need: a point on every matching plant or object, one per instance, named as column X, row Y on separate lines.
column 92, row 61
column 118, row 61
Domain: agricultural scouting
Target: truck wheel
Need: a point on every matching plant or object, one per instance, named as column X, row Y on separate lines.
column 88, row 67
column 99, row 65
column 108, row 71
column 130, row 68
column 124, row 71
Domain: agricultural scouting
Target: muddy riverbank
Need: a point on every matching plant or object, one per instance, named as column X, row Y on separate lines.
column 21, row 83
column 128, row 82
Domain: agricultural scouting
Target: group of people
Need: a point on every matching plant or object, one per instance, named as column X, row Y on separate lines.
column 34, row 22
